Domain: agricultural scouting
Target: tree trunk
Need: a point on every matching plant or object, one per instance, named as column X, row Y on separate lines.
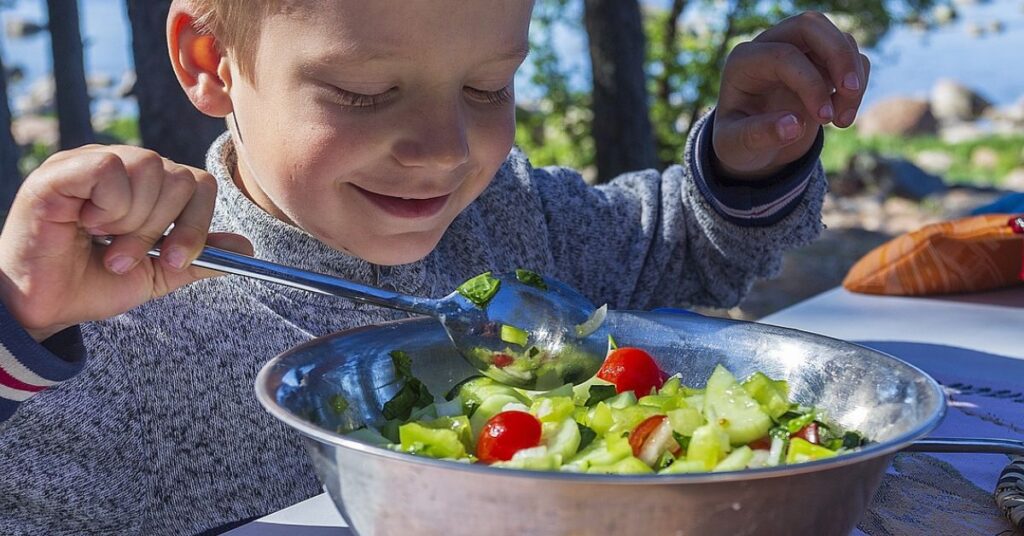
column 69, row 75
column 168, row 122
column 10, row 178
column 623, row 138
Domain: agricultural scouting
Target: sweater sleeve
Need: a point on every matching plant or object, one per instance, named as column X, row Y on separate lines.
column 683, row 237
column 28, row 367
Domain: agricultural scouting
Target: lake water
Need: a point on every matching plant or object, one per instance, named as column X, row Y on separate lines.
column 906, row 62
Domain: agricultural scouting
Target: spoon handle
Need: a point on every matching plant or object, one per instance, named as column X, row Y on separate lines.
column 235, row 263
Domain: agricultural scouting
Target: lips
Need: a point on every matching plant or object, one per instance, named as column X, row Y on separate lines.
column 403, row 207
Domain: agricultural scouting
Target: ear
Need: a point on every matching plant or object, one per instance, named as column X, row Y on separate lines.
column 198, row 62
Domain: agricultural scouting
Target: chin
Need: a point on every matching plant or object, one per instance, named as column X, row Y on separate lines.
column 396, row 250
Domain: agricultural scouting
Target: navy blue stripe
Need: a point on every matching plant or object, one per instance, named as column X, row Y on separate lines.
column 745, row 195
column 7, row 408
column 57, row 359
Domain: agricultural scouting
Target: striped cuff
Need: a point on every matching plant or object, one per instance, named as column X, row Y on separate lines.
column 28, row 367
column 751, row 204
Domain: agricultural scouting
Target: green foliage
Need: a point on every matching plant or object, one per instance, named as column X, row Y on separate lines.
column 123, row 130
column 841, row 144
column 684, row 70
column 555, row 129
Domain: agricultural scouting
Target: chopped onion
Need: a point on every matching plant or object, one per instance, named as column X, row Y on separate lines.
column 592, row 323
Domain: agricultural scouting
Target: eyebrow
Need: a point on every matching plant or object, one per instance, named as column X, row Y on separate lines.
column 356, row 56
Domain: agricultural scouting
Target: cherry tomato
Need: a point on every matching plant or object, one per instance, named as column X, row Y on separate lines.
column 809, row 433
column 632, row 369
column 505, row 434
column 502, row 360
column 765, row 443
column 642, row 431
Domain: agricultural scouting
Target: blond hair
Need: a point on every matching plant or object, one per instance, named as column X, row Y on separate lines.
column 235, row 24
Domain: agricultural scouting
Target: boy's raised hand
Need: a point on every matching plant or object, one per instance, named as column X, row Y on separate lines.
column 53, row 276
column 777, row 89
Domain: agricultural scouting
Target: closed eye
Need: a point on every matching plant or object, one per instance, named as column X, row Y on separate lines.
column 361, row 100
column 500, row 96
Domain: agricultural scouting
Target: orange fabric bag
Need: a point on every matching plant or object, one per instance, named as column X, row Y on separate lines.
column 965, row 255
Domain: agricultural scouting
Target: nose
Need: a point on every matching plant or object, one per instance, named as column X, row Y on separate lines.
column 433, row 137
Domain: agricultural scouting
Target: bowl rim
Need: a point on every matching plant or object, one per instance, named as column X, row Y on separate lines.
column 322, row 435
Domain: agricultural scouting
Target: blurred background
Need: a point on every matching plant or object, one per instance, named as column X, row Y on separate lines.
column 610, row 86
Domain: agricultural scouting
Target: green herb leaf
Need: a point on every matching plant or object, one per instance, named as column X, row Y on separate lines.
column 586, row 435
column 527, row 277
column 611, row 343
column 852, row 440
column 480, row 289
column 684, row 442
column 403, row 364
column 412, row 395
column 338, row 404
column 600, row 393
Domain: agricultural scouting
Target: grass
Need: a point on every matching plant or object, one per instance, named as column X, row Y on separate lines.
column 840, row 145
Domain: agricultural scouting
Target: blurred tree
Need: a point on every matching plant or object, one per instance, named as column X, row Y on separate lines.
column 687, row 44
column 73, row 116
column 10, row 179
column 168, row 122
column 622, row 125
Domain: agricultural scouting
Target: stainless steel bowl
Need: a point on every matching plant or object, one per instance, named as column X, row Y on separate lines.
column 380, row 492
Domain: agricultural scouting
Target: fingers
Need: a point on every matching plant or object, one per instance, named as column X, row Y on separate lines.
column 837, row 52
column 132, row 243
column 756, row 68
column 754, row 141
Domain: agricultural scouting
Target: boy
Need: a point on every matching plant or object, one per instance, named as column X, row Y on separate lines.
column 369, row 140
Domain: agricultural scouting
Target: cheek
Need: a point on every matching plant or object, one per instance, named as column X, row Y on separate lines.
column 493, row 137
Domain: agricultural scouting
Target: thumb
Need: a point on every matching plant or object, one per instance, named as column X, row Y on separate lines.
column 227, row 241
column 752, row 143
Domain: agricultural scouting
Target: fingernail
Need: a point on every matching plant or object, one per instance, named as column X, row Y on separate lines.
column 848, row 117
column 788, row 127
column 121, row 264
column 96, row 231
column 175, row 257
column 851, row 82
column 826, row 112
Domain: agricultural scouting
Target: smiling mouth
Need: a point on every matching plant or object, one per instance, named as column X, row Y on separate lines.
column 406, row 207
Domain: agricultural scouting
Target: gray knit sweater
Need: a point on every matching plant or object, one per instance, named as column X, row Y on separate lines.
column 161, row 433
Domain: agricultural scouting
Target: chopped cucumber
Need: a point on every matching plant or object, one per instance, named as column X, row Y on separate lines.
column 735, row 410
column 736, row 460
column 773, row 395
column 805, row 451
column 709, row 445
column 562, row 438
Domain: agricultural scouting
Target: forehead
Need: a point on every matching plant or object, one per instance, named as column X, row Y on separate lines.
column 369, row 30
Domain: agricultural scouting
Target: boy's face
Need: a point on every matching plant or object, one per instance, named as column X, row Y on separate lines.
column 373, row 124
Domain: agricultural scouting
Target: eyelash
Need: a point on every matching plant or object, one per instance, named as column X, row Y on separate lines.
column 371, row 102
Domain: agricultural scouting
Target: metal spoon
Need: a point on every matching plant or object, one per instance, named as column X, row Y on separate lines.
column 531, row 331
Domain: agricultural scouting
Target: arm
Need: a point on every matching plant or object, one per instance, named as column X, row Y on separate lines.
column 683, row 237
column 27, row 367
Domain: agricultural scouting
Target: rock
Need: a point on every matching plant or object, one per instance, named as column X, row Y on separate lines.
column 104, row 114
column 962, row 133
column 98, row 82
column 18, row 28
column 934, row 161
column 126, row 87
column 997, row 26
column 975, row 30
column 32, row 129
column 952, row 101
column 898, row 116
column 894, row 176
column 985, row 158
column 943, row 14
column 1014, row 180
